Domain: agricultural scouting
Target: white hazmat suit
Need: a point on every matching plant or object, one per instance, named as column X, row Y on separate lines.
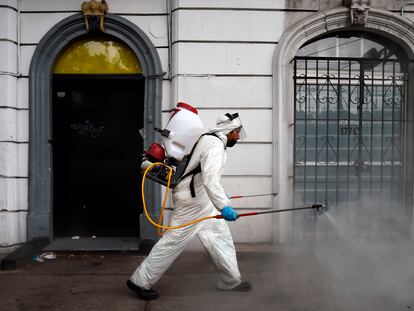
column 210, row 198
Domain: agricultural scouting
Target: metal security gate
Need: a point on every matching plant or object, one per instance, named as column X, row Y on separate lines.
column 350, row 133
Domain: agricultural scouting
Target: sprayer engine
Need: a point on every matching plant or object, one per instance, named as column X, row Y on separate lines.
column 183, row 130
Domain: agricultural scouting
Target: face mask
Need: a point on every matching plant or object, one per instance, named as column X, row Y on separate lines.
column 231, row 143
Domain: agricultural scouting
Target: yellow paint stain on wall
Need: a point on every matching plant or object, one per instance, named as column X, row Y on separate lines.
column 98, row 56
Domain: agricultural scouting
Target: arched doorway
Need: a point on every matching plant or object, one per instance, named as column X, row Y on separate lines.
column 385, row 24
column 97, row 110
column 62, row 35
column 351, row 122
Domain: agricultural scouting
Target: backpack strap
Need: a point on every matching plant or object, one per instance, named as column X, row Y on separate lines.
column 193, row 172
column 197, row 169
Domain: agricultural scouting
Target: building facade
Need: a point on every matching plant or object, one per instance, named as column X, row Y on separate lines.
column 324, row 89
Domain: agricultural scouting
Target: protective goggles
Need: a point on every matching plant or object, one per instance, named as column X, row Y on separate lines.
column 234, row 120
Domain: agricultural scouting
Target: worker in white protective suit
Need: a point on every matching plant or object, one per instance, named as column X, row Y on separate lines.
column 199, row 194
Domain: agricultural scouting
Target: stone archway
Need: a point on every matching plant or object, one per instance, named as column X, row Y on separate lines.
column 39, row 221
column 383, row 23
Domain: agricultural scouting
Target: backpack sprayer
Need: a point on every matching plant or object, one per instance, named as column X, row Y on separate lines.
column 166, row 164
column 178, row 138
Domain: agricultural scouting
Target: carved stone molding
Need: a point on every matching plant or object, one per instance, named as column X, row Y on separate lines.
column 94, row 13
column 358, row 11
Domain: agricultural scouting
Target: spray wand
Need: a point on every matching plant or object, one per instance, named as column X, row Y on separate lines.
column 321, row 208
column 252, row 195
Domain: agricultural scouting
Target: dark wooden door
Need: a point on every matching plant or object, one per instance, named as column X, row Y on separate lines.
column 96, row 152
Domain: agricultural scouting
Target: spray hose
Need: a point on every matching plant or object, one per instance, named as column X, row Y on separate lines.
column 144, row 205
column 320, row 208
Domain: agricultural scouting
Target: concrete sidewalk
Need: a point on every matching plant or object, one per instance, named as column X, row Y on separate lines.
column 303, row 277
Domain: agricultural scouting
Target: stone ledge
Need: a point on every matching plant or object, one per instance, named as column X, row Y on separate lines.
column 23, row 254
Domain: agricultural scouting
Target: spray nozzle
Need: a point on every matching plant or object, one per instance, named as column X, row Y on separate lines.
column 320, row 208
